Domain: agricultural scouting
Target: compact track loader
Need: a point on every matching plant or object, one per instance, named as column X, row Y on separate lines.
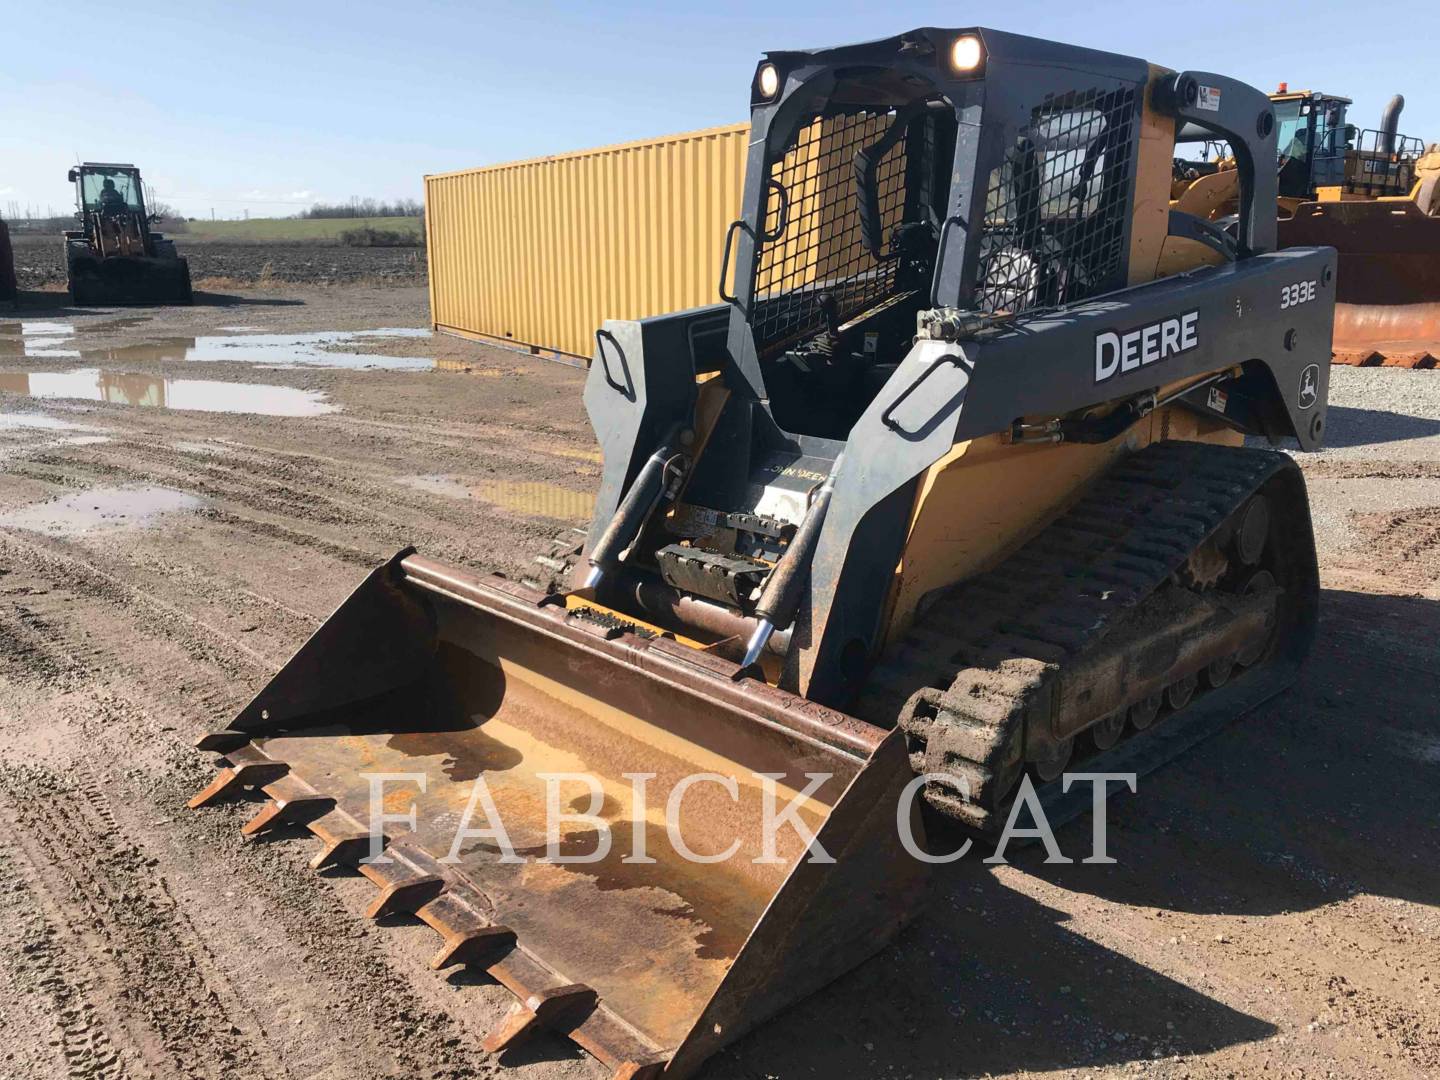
column 115, row 257
column 948, row 491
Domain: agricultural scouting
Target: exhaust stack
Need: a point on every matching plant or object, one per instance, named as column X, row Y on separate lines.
column 1390, row 123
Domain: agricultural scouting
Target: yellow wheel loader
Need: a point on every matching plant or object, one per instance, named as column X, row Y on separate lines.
column 1373, row 195
column 115, row 257
column 948, row 493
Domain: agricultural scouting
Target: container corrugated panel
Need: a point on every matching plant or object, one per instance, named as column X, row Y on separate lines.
column 542, row 252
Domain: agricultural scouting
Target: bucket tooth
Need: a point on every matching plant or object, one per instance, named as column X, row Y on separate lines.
column 470, row 937
column 234, row 777
column 405, row 896
column 617, row 1047
column 408, row 876
column 545, row 1008
column 222, row 742
column 343, row 840
column 480, row 947
column 345, row 851
column 286, row 812
column 292, row 802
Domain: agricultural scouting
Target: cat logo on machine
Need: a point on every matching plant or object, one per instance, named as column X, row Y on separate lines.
column 1117, row 353
column 1309, row 387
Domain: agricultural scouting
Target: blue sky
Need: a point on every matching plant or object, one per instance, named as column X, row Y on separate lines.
column 266, row 106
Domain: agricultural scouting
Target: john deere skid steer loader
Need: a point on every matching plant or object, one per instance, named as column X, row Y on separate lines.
column 948, row 491
column 115, row 257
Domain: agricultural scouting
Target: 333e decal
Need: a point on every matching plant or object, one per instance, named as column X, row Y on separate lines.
column 1299, row 293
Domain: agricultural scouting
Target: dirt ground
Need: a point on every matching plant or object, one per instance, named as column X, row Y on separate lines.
column 40, row 263
column 1273, row 909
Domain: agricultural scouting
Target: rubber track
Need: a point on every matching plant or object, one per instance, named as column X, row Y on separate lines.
column 985, row 655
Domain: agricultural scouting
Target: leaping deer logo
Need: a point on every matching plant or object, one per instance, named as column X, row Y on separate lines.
column 1309, row 386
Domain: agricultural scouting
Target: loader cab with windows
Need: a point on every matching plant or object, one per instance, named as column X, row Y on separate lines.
column 109, row 189
column 862, row 194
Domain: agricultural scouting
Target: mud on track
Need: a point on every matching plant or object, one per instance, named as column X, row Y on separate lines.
column 1274, row 907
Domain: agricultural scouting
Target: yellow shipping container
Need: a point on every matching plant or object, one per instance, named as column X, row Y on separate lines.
column 541, row 252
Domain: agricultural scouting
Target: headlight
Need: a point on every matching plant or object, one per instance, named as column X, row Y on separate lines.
column 767, row 81
column 967, row 54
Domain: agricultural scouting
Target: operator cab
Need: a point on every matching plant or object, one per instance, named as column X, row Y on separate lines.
column 854, row 207
column 1318, row 149
column 108, row 189
column 1312, row 141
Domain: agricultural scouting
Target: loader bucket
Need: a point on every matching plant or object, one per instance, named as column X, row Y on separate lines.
column 129, row 279
column 662, row 949
column 1387, row 335
column 1387, row 284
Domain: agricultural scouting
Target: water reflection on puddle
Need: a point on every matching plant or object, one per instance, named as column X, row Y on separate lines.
column 29, row 338
column 242, row 344
column 520, row 496
column 199, row 395
column 100, row 509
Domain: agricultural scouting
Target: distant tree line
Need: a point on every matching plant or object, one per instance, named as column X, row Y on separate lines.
column 364, row 208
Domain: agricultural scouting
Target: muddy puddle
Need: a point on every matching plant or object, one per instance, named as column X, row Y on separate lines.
column 20, row 421
column 37, row 338
column 156, row 391
column 518, row 496
column 100, row 509
column 239, row 344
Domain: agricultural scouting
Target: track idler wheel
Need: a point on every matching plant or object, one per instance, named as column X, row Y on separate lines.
column 1179, row 693
column 1106, row 733
column 1252, row 530
column 1218, row 672
column 1057, row 756
column 1259, row 581
column 1144, row 712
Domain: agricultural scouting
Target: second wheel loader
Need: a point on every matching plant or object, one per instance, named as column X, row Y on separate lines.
column 115, row 257
column 1373, row 195
column 949, row 491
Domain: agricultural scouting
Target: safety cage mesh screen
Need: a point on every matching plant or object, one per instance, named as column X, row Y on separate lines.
column 1057, row 206
column 812, row 245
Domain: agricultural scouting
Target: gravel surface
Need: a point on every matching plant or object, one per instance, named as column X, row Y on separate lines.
column 1275, row 907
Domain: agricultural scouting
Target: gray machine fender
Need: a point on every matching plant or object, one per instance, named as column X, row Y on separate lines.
column 1260, row 314
column 1274, row 312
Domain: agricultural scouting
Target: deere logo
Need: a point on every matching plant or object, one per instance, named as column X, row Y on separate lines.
column 1309, row 387
column 1117, row 353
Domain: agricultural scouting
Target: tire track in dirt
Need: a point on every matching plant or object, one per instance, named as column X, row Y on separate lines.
column 58, row 1016
column 120, row 918
column 1411, row 536
column 359, row 991
column 297, row 497
column 70, row 575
